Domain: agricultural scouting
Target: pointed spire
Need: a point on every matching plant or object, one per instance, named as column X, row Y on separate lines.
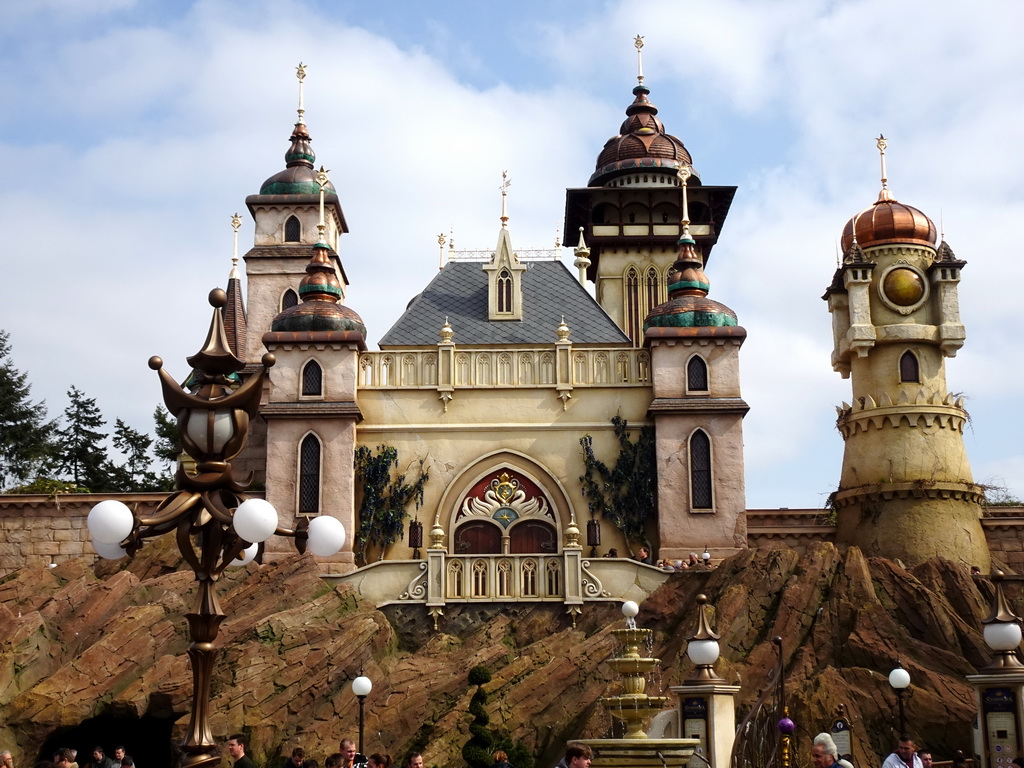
column 684, row 173
column 884, row 194
column 235, row 322
column 639, row 43
column 321, row 225
column 440, row 251
column 300, row 73
column 216, row 357
column 582, row 261
column 505, row 183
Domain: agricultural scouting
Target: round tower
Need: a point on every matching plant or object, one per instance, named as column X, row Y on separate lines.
column 906, row 489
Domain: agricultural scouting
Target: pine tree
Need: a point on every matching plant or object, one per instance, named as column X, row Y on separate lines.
column 167, row 447
column 136, row 469
column 25, row 443
column 80, row 452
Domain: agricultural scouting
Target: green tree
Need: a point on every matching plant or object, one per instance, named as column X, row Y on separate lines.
column 382, row 512
column 135, row 474
column 25, row 443
column 168, row 442
column 80, row 452
column 477, row 751
column 625, row 494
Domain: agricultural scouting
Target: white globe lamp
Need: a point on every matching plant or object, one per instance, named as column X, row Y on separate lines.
column 326, row 538
column 110, row 522
column 255, row 520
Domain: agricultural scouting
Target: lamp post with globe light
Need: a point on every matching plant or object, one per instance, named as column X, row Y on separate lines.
column 999, row 685
column 214, row 525
column 361, row 687
column 899, row 679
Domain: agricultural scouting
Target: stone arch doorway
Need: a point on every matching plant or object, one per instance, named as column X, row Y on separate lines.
column 504, row 503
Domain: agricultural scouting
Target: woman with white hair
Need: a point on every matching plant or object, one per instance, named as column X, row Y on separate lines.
column 824, row 753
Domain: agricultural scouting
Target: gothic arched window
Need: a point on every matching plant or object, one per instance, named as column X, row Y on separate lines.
column 910, row 371
column 696, row 375
column 634, row 319
column 292, row 230
column 701, row 496
column 289, row 299
column 504, row 292
column 312, row 379
column 309, row 475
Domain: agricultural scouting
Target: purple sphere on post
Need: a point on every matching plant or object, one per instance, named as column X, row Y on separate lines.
column 786, row 726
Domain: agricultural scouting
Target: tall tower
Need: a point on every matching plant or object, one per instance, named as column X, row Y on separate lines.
column 629, row 213
column 906, row 489
column 697, row 410
column 286, row 212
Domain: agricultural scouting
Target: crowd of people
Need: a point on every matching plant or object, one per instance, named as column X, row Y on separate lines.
column 347, row 756
column 825, row 754
column 66, row 757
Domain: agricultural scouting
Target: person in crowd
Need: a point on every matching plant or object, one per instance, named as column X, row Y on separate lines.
column 334, row 760
column 824, row 753
column 119, row 753
column 905, row 755
column 501, row 760
column 295, row 761
column 127, row 762
column 379, row 760
column 62, row 758
column 613, row 552
column 310, row 763
column 236, row 748
column 100, row 760
column 415, row 760
column 643, row 555
column 348, row 753
column 6, row 759
column 578, row 756
column 926, row 757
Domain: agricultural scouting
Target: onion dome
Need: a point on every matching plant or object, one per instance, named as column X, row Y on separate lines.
column 688, row 305
column 319, row 310
column 641, row 143
column 298, row 177
column 889, row 221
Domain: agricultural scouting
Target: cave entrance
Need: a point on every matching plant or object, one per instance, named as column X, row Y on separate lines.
column 147, row 739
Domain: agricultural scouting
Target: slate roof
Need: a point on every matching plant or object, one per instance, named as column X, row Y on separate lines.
column 459, row 292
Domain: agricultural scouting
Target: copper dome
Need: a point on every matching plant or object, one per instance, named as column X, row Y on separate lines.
column 298, row 177
column 640, row 144
column 889, row 221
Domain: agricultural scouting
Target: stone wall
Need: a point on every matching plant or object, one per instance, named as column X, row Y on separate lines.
column 39, row 529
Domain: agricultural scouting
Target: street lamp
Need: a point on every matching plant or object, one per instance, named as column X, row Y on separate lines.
column 214, row 525
column 361, row 687
column 899, row 679
column 706, row 557
column 1002, row 631
column 702, row 648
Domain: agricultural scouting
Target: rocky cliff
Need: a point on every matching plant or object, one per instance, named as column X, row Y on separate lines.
column 99, row 656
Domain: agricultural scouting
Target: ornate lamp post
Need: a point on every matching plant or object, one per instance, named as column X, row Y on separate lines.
column 1002, row 631
column 706, row 557
column 702, row 648
column 214, row 525
column 361, row 687
column 899, row 679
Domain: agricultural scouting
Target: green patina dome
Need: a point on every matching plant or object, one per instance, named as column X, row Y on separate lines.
column 691, row 312
column 299, row 177
column 319, row 310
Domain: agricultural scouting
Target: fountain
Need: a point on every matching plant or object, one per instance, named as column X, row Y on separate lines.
column 635, row 707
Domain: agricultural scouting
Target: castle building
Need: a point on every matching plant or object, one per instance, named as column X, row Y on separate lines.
column 499, row 367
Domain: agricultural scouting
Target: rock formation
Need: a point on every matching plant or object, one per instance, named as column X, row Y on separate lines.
column 79, row 643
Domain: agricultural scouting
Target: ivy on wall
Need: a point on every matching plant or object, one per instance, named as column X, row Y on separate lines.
column 626, row 493
column 381, row 518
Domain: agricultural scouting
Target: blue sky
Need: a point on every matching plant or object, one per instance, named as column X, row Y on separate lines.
column 133, row 130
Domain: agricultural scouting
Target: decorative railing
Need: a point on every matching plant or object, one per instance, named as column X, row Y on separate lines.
column 519, row 368
column 500, row 578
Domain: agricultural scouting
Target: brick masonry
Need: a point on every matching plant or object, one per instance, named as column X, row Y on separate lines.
column 37, row 529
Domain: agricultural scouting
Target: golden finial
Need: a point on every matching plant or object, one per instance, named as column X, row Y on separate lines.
column 440, row 251
column 684, row 173
column 504, row 198
column 321, row 179
column 451, row 242
column 236, row 223
column 881, row 143
column 300, row 73
column 639, row 43
column 558, row 238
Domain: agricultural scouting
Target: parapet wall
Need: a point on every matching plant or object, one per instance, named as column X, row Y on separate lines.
column 39, row 529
